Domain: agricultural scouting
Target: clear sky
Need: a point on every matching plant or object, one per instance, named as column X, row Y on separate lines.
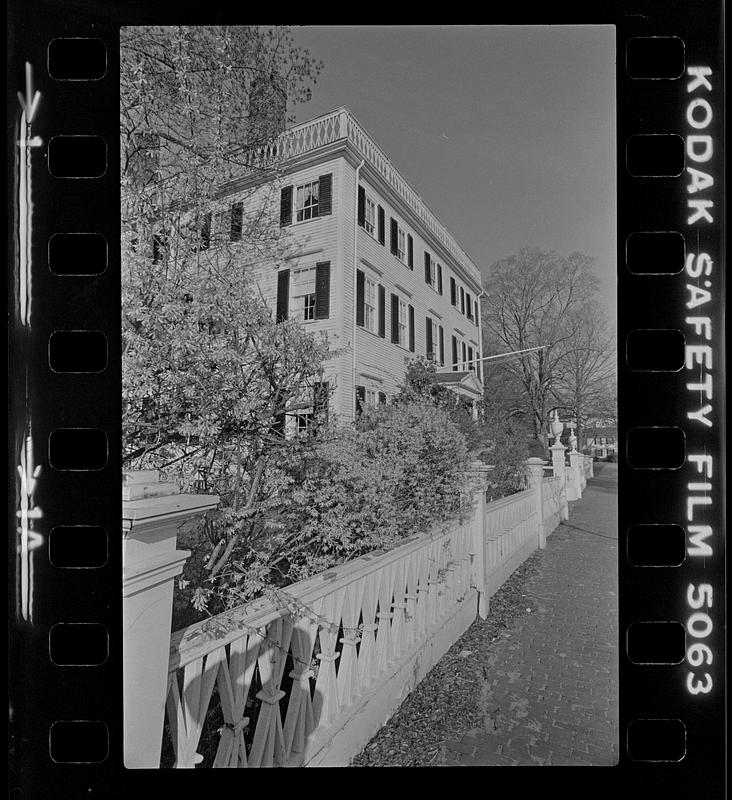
column 507, row 132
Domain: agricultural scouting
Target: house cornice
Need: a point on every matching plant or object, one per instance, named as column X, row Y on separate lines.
column 339, row 133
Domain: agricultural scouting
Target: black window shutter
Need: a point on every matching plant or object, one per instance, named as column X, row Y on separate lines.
column 454, row 353
column 427, row 268
column 464, row 349
column 325, row 196
column 462, row 300
column 382, row 312
column 322, row 290
column 439, row 278
column 360, row 399
column 286, row 206
column 382, row 398
column 360, row 287
column 237, row 217
column 428, row 335
column 361, row 206
column 469, row 305
column 470, row 358
column 442, row 345
column 283, row 294
column 410, row 251
column 394, row 237
column 395, row 319
column 477, row 312
column 382, row 226
column 411, row 328
column 453, row 292
column 206, row 232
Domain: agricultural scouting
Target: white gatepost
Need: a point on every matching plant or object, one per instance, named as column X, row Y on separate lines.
column 558, row 468
column 536, row 478
column 575, row 460
column 152, row 512
column 477, row 549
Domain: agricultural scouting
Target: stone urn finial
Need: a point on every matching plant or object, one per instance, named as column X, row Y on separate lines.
column 556, row 426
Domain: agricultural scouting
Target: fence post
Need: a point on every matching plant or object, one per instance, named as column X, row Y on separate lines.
column 477, row 549
column 536, row 472
column 558, row 469
column 575, row 460
column 152, row 512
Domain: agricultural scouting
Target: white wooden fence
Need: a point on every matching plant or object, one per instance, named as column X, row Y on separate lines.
column 308, row 678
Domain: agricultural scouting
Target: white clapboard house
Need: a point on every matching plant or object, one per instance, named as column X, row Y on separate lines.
column 367, row 263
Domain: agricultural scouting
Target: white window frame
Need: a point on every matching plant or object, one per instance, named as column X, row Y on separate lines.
column 370, row 310
column 371, row 396
column 302, row 306
column 403, row 323
column 435, row 342
column 369, row 220
column 433, row 275
column 305, row 212
column 401, row 254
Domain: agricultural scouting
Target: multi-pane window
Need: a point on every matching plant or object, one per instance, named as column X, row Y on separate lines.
column 434, row 341
column 306, row 201
column 401, row 244
column 462, row 300
column 302, row 298
column 402, row 323
column 370, row 319
column 370, row 216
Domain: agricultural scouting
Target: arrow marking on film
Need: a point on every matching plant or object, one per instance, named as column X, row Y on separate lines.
column 29, row 103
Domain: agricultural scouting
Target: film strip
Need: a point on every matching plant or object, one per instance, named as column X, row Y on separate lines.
column 65, row 456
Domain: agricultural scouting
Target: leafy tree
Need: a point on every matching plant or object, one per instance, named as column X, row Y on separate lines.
column 495, row 436
column 534, row 299
column 208, row 374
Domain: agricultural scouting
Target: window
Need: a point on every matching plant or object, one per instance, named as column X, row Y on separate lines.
column 312, row 199
column 402, row 324
column 401, row 253
column 469, row 305
column 369, row 221
column 306, row 201
column 462, row 300
column 435, row 345
column 433, row 273
column 304, row 420
column 304, row 293
column 464, row 351
column 370, row 305
column 302, row 299
column 453, row 292
column 402, row 245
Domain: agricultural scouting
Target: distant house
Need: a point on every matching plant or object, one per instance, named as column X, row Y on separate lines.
column 368, row 264
column 601, row 437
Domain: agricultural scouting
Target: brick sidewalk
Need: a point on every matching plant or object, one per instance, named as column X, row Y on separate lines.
column 551, row 691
